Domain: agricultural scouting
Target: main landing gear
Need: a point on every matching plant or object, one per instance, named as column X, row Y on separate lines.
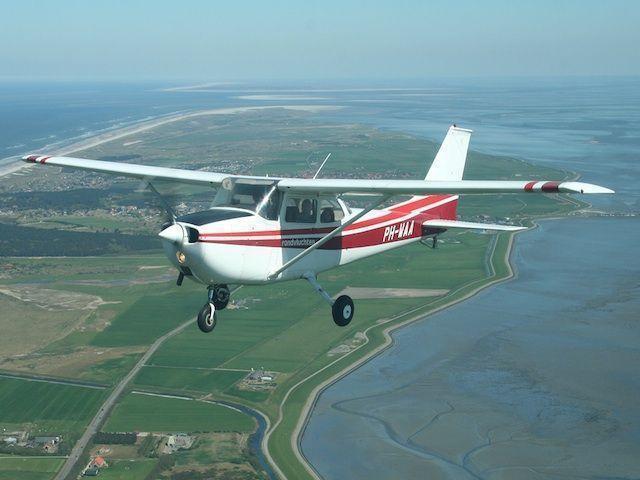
column 342, row 307
column 218, row 299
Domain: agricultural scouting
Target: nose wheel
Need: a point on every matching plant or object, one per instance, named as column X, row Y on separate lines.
column 207, row 318
column 342, row 307
column 218, row 300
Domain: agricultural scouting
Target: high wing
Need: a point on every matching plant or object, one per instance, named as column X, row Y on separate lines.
column 425, row 187
column 332, row 186
column 133, row 170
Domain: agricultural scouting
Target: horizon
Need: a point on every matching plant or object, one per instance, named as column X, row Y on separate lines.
column 199, row 41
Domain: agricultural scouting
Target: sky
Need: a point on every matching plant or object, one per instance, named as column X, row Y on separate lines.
column 306, row 39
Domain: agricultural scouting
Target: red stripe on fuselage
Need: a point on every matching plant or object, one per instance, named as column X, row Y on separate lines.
column 529, row 186
column 409, row 227
column 394, row 212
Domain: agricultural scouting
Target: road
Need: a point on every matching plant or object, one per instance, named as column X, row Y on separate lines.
column 104, row 411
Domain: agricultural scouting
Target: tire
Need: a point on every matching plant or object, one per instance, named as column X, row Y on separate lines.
column 207, row 318
column 343, row 310
column 221, row 296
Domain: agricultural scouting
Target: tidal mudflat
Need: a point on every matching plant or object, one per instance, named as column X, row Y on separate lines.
column 533, row 378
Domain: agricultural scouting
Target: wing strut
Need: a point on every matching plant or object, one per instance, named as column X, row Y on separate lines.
column 329, row 236
column 325, row 161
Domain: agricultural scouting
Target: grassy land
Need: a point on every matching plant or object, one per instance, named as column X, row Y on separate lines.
column 147, row 318
column 144, row 413
column 47, row 408
column 137, row 469
column 26, row 468
column 189, row 379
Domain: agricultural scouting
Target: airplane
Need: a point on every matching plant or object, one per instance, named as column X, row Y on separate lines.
column 262, row 230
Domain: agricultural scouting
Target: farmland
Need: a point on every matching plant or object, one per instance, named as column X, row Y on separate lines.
column 146, row 413
column 48, row 408
column 128, row 469
column 26, row 468
column 179, row 378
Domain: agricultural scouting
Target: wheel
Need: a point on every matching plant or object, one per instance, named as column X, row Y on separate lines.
column 221, row 295
column 342, row 310
column 207, row 318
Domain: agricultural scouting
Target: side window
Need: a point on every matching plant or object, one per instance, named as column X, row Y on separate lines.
column 301, row 210
column 330, row 211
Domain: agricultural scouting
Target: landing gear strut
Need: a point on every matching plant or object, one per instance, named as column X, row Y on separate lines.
column 342, row 308
column 221, row 295
column 218, row 300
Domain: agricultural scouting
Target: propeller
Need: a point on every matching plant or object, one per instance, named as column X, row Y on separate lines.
column 171, row 215
column 171, row 230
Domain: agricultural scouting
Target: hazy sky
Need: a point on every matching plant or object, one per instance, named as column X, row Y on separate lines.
column 207, row 40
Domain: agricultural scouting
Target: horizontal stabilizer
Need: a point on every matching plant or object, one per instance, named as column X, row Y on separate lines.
column 471, row 225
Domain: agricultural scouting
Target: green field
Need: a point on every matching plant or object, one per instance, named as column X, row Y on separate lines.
column 268, row 335
column 149, row 317
column 26, row 468
column 145, row 413
column 137, row 469
column 48, row 407
column 188, row 378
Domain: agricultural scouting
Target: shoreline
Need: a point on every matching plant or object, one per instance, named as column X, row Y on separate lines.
column 307, row 409
column 149, row 124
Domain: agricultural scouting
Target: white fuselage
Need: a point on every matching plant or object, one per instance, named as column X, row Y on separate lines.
column 249, row 249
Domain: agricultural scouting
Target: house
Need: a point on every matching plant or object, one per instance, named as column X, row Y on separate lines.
column 99, row 462
column 48, row 444
column 43, row 440
column 91, row 472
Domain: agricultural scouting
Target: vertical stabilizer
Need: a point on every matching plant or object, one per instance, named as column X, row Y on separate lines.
column 452, row 156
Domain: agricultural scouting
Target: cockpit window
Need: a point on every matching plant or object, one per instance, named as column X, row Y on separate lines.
column 259, row 197
column 301, row 210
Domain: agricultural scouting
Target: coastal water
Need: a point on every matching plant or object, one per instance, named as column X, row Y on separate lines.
column 34, row 115
column 540, row 372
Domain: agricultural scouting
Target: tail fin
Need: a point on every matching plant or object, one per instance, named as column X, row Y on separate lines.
column 452, row 156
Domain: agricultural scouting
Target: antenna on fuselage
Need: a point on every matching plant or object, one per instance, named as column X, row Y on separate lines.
column 322, row 165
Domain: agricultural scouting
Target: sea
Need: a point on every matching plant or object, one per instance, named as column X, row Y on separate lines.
column 533, row 378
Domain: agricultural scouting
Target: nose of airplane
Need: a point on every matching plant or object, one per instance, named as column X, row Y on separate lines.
column 173, row 233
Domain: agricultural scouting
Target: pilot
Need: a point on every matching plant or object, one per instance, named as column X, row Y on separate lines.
column 270, row 209
column 307, row 214
column 257, row 196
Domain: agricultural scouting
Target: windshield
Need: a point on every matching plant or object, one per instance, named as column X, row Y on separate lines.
column 257, row 196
